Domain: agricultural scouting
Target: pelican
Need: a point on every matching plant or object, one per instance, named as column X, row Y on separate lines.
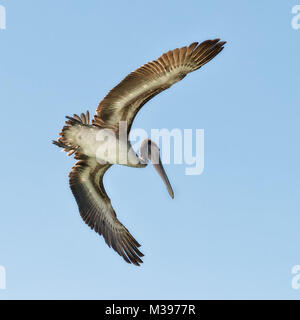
column 80, row 137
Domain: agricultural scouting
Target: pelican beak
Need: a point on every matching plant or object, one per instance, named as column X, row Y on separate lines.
column 161, row 171
column 149, row 150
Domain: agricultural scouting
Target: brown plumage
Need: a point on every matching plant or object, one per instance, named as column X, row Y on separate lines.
column 103, row 221
column 122, row 104
column 151, row 79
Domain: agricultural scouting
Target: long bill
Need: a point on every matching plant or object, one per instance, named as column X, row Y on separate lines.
column 161, row 171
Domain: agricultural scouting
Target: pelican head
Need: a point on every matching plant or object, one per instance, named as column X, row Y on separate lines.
column 149, row 150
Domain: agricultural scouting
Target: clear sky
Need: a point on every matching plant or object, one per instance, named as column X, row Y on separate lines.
column 232, row 232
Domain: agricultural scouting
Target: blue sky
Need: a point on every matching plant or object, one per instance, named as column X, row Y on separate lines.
column 232, row 232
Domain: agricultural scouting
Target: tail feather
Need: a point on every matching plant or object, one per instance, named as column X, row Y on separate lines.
column 62, row 141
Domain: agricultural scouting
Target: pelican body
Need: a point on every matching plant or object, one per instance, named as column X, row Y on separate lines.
column 97, row 145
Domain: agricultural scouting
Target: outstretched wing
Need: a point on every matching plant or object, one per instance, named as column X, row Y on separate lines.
column 124, row 101
column 96, row 210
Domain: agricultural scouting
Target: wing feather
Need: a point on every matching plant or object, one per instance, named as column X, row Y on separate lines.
column 96, row 210
column 124, row 101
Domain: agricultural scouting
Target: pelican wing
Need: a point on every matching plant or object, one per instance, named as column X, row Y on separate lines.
column 124, row 101
column 96, row 210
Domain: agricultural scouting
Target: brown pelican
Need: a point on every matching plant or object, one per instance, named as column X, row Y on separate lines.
column 122, row 103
